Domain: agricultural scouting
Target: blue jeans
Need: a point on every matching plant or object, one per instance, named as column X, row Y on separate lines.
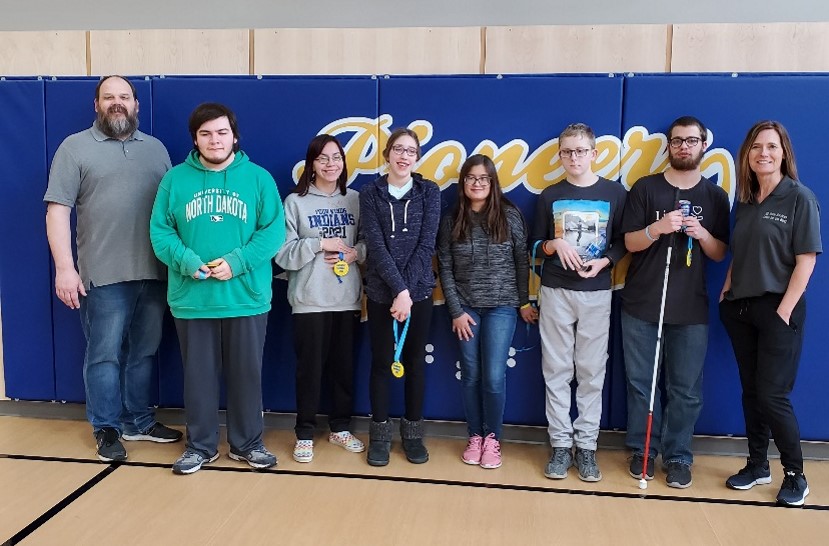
column 683, row 356
column 122, row 324
column 484, row 368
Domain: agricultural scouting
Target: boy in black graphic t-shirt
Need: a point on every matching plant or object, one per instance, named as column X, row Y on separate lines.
column 652, row 222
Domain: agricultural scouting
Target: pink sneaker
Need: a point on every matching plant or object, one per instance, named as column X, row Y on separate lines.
column 472, row 453
column 491, row 456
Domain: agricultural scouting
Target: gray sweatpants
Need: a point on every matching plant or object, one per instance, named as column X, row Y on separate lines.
column 574, row 328
column 231, row 347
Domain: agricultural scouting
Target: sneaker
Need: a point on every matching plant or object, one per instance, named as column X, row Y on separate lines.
column 491, row 452
column 258, row 457
column 558, row 464
column 472, row 453
column 304, row 451
column 347, row 441
column 636, row 463
column 794, row 489
column 191, row 461
column 587, row 465
column 679, row 474
column 752, row 474
column 157, row 433
column 110, row 447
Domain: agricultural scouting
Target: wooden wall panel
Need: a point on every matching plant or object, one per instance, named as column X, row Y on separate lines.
column 600, row 48
column 774, row 47
column 58, row 53
column 367, row 51
column 170, row 51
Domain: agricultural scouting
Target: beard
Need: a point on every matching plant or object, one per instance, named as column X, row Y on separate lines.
column 216, row 160
column 117, row 127
column 689, row 163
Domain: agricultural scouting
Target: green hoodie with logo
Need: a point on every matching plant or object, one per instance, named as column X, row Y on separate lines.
column 202, row 215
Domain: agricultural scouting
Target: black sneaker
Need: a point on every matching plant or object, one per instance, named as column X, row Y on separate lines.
column 636, row 466
column 752, row 474
column 110, row 447
column 794, row 489
column 679, row 474
column 157, row 433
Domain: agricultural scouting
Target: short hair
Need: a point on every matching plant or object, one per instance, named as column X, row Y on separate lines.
column 688, row 121
column 105, row 78
column 314, row 150
column 397, row 133
column 747, row 184
column 208, row 111
column 577, row 130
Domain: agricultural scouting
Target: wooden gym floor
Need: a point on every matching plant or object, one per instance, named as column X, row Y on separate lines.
column 56, row 492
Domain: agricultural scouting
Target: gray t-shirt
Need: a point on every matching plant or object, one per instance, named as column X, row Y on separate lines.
column 768, row 236
column 112, row 184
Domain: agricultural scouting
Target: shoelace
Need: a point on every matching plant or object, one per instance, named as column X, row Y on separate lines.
column 560, row 456
column 589, row 457
column 492, row 447
column 789, row 481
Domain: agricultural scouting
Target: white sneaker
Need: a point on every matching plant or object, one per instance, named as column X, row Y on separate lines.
column 347, row 441
column 304, row 451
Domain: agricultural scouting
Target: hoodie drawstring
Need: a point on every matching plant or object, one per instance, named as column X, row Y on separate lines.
column 405, row 217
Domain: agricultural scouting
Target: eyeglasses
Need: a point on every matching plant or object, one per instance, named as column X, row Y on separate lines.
column 482, row 181
column 691, row 141
column 578, row 152
column 325, row 160
column 399, row 149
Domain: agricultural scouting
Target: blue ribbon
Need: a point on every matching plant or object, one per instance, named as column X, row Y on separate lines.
column 400, row 340
column 340, row 279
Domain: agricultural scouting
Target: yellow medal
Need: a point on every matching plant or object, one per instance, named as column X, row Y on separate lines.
column 397, row 369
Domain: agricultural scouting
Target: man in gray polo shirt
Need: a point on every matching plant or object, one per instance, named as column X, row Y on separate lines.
column 110, row 173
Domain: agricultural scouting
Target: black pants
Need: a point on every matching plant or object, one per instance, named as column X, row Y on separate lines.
column 231, row 347
column 768, row 353
column 323, row 342
column 382, row 356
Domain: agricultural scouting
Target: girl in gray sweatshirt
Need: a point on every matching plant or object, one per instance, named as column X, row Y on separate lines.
column 324, row 290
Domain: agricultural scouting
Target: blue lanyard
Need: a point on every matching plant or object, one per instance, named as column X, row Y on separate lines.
column 340, row 279
column 400, row 340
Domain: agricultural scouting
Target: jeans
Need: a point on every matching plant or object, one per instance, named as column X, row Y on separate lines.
column 768, row 354
column 484, row 368
column 122, row 324
column 683, row 356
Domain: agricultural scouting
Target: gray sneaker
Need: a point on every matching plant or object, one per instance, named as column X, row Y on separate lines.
column 258, row 457
column 191, row 461
column 561, row 460
column 587, row 465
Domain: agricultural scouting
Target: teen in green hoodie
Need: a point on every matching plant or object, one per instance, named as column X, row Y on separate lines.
column 217, row 221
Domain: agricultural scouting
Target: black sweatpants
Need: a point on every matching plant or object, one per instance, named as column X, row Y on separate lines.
column 231, row 347
column 324, row 342
column 768, row 354
column 382, row 356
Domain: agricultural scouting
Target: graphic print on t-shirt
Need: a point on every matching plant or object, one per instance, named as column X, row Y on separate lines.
column 583, row 224
column 331, row 222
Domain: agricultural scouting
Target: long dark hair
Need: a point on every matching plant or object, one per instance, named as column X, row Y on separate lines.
column 747, row 185
column 308, row 175
column 494, row 211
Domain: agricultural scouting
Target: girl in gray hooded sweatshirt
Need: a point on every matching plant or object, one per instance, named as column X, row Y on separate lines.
column 321, row 219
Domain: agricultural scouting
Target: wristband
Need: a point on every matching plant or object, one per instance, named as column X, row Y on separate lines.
column 648, row 234
column 526, row 305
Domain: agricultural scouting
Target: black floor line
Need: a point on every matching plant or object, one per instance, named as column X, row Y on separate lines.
column 432, row 481
column 55, row 510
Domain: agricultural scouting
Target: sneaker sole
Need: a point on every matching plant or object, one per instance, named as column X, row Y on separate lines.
column 555, row 476
column 418, row 461
column 590, row 478
column 758, row 481
column 146, row 438
column 678, row 485
column 258, row 466
column 796, row 504
column 195, row 468
column 471, row 461
column 104, row 459
column 347, row 448
column 491, row 466
column 375, row 462
column 303, row 459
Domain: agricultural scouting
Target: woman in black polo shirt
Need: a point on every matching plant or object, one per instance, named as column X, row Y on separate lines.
column 775, row 242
